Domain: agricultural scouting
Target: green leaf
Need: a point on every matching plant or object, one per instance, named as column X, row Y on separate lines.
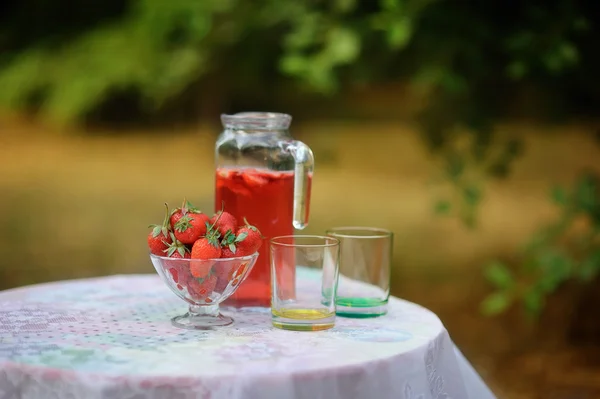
column 455, row 166
column 399, row 33
column 391, row 4
column 555, row 267
column 513, row 148
column 589, row 267
column 442, row 207
column 183, row 224
column 343, row 45
column 454, row 83
column 559, row 195
column 344, row 5
column 495, row 303
column 533, row 302
column 472, row 195
column 241, row 237
column 516, row 70
column 499, row 275
column 586, row 193
column 568, row 52
column 156, row 230
column 171, row 250
column 232, row 248
column 190, row 207
column 294, row 64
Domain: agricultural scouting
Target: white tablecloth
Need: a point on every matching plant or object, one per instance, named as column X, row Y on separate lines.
column 111, row 337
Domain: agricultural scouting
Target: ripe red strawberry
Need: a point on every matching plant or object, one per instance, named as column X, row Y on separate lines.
column 227, row 253
column 188, row 223
column 224, row 222
column 200, row 290
column 160, row 238
column 224, row 272
column 190, row 227
column 177, row 268
column 232, row 241
column 200, row 268
column 254, row 179
column 183, row 210
column 205, row 248
column 248, row 240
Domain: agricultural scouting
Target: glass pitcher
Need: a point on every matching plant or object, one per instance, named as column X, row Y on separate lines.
column 265, row 176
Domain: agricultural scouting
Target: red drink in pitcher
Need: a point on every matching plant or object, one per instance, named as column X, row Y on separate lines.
column 263, row 175
column 265, row 199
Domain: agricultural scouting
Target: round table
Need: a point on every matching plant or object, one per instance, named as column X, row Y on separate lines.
column 111, row 337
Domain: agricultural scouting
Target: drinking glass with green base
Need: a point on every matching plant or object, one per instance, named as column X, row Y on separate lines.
column 365, row 270
column 304, row 277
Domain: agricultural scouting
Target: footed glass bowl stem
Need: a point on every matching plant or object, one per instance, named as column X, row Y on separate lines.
column 202, row 317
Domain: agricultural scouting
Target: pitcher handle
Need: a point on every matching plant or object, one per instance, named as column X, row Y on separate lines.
column 303, row 170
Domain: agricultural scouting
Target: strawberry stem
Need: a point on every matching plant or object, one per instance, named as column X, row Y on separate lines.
column 212, row 226
column 184, row 208
column 166, row 219
column 253, row 228
column 164, row 228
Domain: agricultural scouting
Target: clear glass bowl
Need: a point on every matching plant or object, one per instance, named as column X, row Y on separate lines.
column 203, row 284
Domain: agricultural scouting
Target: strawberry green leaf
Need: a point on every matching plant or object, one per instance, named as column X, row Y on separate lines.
column 183, row 224
column 241, row 237
column 156, row 231
column 228, row 238
column 213, row 238
column 191, row 208
column 232, row 248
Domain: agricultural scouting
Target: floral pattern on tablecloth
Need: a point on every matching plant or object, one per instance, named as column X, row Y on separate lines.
column 115, row 332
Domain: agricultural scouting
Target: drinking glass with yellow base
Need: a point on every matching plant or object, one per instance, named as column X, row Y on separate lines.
column 304, row 277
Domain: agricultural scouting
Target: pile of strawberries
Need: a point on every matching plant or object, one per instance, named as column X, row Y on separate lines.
column 187, row 233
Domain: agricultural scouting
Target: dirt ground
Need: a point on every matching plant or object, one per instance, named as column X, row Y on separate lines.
column 74, row 206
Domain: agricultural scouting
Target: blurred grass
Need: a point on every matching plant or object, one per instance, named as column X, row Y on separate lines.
column 79, row 205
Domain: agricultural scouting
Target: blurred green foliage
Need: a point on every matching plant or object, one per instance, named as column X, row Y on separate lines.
column 568, row 249
column 66, row 57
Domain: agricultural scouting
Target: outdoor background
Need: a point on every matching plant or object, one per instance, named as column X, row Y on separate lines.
column 468, row 128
